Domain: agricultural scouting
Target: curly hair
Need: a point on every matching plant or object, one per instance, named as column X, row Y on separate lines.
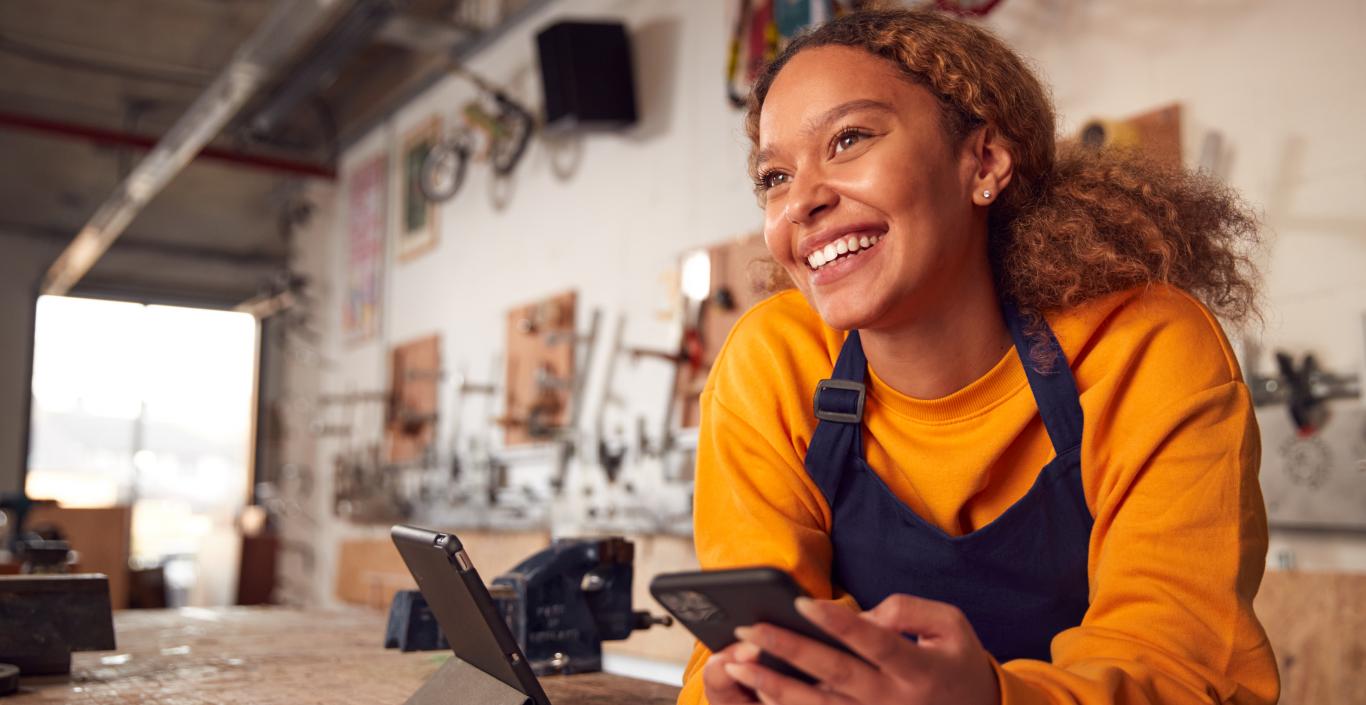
column 1075, row 223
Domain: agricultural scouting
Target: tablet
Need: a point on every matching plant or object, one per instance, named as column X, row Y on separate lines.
column 464, row 609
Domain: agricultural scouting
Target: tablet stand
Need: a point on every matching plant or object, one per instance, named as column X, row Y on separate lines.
column 459, row 683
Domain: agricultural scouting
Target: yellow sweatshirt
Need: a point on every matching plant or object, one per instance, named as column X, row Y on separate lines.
column 1169, row 456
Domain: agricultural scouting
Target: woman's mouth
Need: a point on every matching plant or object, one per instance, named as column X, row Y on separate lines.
column 841, row 257
column 841, row 249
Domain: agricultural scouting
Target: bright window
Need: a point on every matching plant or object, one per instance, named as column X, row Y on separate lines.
column 149, row 406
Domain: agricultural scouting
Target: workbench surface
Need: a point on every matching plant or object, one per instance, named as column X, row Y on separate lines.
column 276, row 655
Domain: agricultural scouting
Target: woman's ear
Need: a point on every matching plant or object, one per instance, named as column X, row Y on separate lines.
column 994, row 165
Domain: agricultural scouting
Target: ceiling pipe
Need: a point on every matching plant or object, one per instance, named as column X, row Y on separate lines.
column 352, row 31
column 101, row 136
column 274, row 41
column 456, row 55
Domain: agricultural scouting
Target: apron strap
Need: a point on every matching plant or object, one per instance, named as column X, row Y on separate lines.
column 840, row 398
column 1055, row 390
column 839, row 405
column 839, row 401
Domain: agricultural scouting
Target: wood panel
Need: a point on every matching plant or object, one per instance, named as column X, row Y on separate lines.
column 1155, row 134
column 738, row 281
column 1317, row 626
column 414, row 376
column 275, row 656
column 102, row 538
column 370, row 571
column 540, row 369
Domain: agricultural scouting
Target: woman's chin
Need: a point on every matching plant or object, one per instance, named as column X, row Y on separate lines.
column 845, row 315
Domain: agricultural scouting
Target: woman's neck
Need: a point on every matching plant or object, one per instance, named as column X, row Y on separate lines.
column 944, row 347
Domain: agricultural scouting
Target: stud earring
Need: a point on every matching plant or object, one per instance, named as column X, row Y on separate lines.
column 986, row 194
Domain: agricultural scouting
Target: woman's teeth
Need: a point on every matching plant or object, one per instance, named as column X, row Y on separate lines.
column 838, row 248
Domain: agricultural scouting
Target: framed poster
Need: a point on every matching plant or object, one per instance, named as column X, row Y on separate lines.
column 417, row 219
column 366, row 200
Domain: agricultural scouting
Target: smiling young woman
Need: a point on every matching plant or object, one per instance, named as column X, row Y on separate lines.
column 1030, row 443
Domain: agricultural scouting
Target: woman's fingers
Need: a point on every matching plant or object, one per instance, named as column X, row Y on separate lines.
column 927, row 619
column 836, row 670
column 774, row 688
column 721, row 688
column 882, row 646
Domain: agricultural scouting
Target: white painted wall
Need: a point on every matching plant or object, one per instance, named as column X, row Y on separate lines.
column 613, row 229
column 1281, row 81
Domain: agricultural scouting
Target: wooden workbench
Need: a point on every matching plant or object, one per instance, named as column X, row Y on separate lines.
column 265, row 656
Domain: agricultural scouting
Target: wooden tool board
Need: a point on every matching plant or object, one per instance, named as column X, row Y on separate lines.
column 740, row 267
column 414, row 376
column 540, row 368
column 1155, row 134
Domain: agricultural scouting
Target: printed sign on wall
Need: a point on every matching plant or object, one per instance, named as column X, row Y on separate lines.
column 366, row 199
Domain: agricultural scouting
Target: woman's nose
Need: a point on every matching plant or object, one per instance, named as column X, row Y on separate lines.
column 808, row 201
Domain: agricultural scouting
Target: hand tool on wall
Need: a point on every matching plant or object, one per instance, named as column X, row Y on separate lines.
column 1302, row 386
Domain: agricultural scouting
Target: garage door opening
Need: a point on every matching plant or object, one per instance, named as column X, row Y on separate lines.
column 149, row 407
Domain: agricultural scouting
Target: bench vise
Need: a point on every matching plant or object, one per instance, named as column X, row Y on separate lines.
column 43, row 618
column 561, row 603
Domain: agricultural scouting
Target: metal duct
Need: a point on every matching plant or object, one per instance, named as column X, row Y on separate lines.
column 354, row 30
column 278, row 37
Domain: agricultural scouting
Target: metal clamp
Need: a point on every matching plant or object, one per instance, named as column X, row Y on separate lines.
column 843, row 385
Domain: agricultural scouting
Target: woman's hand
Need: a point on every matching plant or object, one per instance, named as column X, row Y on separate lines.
column 717, row 683
column 946, row 666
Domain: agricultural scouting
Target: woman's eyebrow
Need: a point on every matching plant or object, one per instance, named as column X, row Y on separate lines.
column 821, row 122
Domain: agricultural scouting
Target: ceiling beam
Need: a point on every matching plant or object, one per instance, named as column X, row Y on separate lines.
column 101, row 136
column 250, row 260
column 277, row 39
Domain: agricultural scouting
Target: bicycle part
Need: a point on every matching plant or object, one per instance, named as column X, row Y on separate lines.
column 515, row 125
column 443, row 169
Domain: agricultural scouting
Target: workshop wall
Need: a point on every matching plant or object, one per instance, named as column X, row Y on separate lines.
column 1281, row 84
column 609, row 215
column 24, row 261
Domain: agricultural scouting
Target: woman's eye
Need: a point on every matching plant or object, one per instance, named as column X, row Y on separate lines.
column 772, row 179
column 848, row 139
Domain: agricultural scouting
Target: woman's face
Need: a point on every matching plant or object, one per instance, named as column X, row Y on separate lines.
column 868, row 206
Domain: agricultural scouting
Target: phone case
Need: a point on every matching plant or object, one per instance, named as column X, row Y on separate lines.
column 712, row 603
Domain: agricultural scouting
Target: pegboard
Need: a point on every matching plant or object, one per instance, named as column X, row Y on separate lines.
column 1155, row 134
column 540, row 369
column 414, row 376
column 739, row 273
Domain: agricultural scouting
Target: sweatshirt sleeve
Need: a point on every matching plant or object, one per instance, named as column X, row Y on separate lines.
column 1177, row 554
column 754, row 504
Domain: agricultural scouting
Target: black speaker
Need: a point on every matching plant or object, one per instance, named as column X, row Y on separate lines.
column 586, row 75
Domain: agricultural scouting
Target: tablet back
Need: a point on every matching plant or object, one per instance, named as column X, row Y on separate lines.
column 464, row 609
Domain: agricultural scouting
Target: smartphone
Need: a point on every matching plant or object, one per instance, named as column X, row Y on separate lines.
column 712, row 603
column 464, row 609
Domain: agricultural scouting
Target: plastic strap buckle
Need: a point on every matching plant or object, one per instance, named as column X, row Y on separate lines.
column 841, row 416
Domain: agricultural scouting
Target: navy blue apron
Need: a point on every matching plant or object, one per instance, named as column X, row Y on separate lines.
column 1021, row 579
